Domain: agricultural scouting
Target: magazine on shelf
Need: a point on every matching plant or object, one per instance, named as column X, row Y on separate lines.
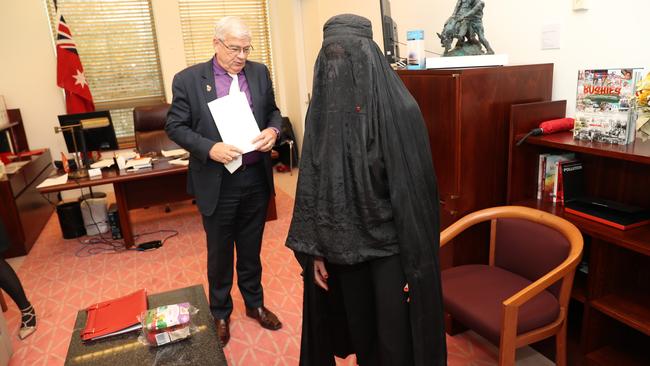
column 548, row 173
column 541, row 168
column 569, row 182
column 604, row 110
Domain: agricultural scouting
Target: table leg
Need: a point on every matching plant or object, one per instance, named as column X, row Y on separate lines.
column 123, row 213
column 291, row 157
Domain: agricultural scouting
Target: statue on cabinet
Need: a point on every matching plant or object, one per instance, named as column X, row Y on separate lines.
column 465, row 25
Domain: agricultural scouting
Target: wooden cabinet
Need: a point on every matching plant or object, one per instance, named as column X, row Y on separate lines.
column 610, row 314
column 466, row 112
column 23, row 210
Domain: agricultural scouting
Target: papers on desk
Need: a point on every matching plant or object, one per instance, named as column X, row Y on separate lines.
column 127, row 154
column 54, row 181
column 104, row 163
column 172, row 153
column 183, row 162
column 11, row 168
column 236, row 124
column 138, row 163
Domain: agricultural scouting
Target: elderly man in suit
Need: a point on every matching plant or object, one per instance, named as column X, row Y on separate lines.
column 233, row 205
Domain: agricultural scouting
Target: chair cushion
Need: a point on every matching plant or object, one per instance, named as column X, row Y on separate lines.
column 474, row 295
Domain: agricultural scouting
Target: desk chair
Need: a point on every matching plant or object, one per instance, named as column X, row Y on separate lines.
column 522, row 295
column 285, row 145
column 149, row 127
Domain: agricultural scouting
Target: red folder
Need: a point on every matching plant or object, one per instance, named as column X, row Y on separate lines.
column 114, row 316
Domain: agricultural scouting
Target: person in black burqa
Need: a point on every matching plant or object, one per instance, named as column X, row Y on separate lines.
column 365, row 222
column 10, row 283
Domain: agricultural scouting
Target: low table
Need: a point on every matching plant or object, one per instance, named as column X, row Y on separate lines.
column 202, row 348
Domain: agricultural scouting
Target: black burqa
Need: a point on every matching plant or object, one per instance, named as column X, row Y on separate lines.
column 367, row 189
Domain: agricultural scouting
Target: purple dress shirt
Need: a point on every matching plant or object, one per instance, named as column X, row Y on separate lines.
column 222, row 83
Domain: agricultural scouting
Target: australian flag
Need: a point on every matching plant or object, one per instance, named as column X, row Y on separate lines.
column 70, row 73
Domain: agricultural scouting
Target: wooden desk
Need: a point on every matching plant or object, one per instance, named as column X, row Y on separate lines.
column 161, row 184
column 164, row 183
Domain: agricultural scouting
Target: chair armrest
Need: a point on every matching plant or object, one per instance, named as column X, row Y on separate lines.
column 544, row 282
column 458, row 227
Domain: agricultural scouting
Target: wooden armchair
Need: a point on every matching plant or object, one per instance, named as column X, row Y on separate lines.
column 522, row 295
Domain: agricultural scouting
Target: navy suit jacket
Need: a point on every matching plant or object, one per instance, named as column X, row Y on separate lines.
column 191, row 126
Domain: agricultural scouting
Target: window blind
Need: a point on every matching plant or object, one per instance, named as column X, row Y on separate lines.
column 117, row 46
column 198, row 18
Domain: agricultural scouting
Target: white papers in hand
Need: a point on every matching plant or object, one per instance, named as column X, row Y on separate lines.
column 236, row 124
column 54, row 181
column 234, row 164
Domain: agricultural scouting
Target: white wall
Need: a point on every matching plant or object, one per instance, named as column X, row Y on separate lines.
column 28, row 71
column 287, row 45
column 609, row 34
column 316, row 12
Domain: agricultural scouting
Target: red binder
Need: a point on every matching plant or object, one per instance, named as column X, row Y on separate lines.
column 115, row 316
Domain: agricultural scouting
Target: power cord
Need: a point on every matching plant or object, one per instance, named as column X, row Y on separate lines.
column 92, row 246
column 98, row 244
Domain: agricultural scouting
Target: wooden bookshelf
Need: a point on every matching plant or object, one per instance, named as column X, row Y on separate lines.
column 617, row 355
column 615, row 293
column 630, row 308
column 639, row 151
column 579, row 292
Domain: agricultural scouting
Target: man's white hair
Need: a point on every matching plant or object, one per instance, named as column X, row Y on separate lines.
column 231, row 26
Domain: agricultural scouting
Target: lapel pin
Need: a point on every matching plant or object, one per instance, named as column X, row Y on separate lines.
column 208, row 88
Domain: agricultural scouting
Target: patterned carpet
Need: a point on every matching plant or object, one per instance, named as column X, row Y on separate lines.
column 59, row 283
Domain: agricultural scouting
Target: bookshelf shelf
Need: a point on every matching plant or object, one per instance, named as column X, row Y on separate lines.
column 637, row 239
column 632, row 309
column 614, row 355
column 615, row 326
column 638, row 152
column 579, row 292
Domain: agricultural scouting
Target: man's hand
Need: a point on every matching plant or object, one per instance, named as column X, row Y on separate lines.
column 320, row 273
column 224, row 153
column 265, row 140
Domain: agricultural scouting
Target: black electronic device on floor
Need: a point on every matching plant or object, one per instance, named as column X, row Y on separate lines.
column 114, row 221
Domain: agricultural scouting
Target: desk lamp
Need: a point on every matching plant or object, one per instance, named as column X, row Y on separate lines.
column 84, row 124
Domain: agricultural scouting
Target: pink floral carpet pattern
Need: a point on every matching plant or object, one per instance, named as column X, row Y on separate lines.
column 59, row 283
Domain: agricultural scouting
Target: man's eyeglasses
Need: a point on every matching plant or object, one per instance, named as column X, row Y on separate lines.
column 236, row 49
